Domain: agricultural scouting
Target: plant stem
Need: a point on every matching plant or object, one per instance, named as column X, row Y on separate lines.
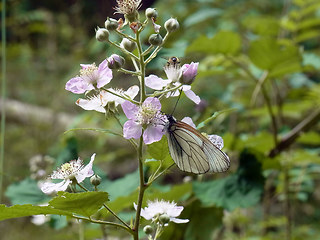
column 142, row 69
column 157, row 49
column 142, row 188
column 122, row 49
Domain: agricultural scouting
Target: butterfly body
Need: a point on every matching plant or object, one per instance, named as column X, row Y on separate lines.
column 193, row 152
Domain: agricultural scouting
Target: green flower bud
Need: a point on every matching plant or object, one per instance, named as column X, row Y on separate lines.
column 171, row 25
column 95, row 180
column 148, row 229
column 155, row 39
column 111, row 24
column 102, row 34
column 151, row 13
column 164, row 219
column 128, row 45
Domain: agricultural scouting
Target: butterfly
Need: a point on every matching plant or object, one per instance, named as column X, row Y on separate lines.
column 192, row 151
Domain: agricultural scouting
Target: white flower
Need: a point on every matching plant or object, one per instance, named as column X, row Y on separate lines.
column 101, row 100
column 68, row 172
column 157, row 208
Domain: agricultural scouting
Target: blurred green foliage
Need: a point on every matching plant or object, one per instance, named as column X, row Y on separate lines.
column 260, row 58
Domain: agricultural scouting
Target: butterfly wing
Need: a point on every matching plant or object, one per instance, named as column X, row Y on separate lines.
column 193, row 152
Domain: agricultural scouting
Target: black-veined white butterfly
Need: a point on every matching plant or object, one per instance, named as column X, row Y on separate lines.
column 193, row 152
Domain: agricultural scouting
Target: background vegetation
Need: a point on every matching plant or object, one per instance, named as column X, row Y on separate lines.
column 259, row 60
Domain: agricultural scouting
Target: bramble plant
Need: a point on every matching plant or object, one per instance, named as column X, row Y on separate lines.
column 146, row 123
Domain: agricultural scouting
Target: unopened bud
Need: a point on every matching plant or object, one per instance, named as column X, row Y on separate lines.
column 102, row 34
column 111, row 24
column 151, row 13
column 164, row 219
column 95, row 180
column 155, row 39
column 171, row 25
column 128, row 45
column 148, row 229
column 115, row 61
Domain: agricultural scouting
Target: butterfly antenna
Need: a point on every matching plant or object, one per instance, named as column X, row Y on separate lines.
column 176, row 103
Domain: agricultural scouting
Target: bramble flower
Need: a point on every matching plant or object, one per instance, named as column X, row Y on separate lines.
column 90, row 77
column 147, row 116
column 68, row 173
column 175, row 73
column 100, row 101
column 157, row 208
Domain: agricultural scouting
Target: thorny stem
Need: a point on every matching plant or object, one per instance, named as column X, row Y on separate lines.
column 159, row 175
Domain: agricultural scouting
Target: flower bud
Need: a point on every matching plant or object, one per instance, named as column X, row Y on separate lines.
column 164, row 219
column 171, row 25
column 102, row 34
column 128, row 45
column 148, row 229
column 111, row 24
column 95, row 180
column 151, row 13
column 189, row 73
column 155, row 39
column 115, row 61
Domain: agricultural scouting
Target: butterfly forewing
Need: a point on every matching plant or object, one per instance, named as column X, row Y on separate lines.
column 193, row 152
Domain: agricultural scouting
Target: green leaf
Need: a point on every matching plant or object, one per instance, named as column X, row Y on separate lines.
column 101, row 130
column 311, row 59
column 122, row 186
column 28, row 210
column 311, row 138
column 224, row 42
column 177, row 192
column 203, row 222
column 262, row 25
column 85, row 204
column 242, row 189
column 159, row 150
column 26, row 191
column 278, row 59
column 201, row 15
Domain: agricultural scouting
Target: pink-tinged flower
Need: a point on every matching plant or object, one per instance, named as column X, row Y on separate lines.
column 90, row 77
column 115, row 61
column 189, row 72
column 100, row 101
column 68, row 173
column 156, row 27
column 147, row 116
column 157, row 208
column 127, row 7
column 175, row 73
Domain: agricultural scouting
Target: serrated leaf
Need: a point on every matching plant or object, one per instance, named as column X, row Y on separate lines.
column 85, row 204
column 224, row 42
column 17, row 211
column 26, row 191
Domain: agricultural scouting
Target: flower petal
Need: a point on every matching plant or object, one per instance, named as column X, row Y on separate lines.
column 216, row 140
column 86, row 171
column 78, row 85
column 50, row 187
column 154, row 102
column 156, row 83
column 130, row 109
column 132, row 91
column 153, row 134
column 178, row 220
column 188, row 120
column 105, row 74
column 91, row 104
column 131, row 130
column 192, row 96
